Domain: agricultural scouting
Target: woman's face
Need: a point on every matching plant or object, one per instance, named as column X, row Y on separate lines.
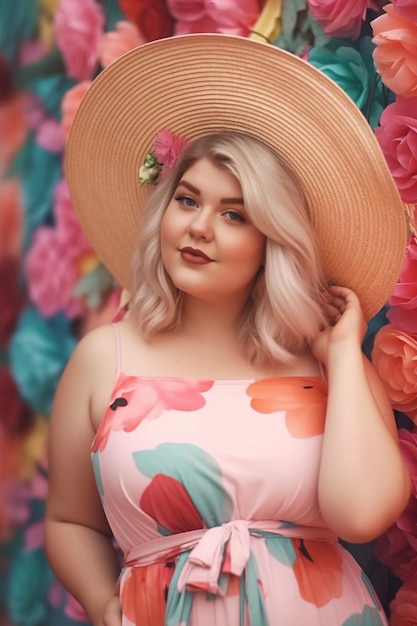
column 209, row 247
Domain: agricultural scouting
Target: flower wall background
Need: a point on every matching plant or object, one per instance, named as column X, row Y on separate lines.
column 53, row 289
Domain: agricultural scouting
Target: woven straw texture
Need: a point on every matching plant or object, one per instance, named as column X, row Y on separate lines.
column 197, row 84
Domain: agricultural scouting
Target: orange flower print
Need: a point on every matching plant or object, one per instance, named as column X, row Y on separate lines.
column 302, row 399
column 318, row 570
column 137, row 397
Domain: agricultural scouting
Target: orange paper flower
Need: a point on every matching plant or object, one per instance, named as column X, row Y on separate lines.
column 395, row 358
column 395, row 55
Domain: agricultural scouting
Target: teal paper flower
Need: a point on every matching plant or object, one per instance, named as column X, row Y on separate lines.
column 353, row 70
column 39, row 351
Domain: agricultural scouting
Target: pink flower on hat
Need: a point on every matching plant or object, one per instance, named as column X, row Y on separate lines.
column 167, row 148
column 403, row 302
column 78, row 26
column 395, row 55
column 397, row 136
column 395, row 358
column 115, row 43
column 339, row 18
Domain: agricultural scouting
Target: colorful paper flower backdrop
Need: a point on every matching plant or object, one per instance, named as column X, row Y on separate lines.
column 53, row 288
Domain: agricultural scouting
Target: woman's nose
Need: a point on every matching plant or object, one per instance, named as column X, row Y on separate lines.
column 202, row 226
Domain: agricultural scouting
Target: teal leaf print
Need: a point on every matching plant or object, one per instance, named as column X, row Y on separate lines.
column 197, row 471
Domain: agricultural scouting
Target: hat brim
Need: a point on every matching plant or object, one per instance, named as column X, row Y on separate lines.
column 198, row 84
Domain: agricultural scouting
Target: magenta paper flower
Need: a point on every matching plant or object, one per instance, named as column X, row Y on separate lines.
column 407, row 8
column 395, row 55
column 115, row 43
column 69, row 105
column 394, row 356
column 53, row 263
column 339, row 18
column 395, row 550
column 397, row 136
column 137, row 398
column 403, row 609
column 78, row 26
column 403, row 301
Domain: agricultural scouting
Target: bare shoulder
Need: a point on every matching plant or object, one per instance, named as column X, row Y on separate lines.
column 90, row 373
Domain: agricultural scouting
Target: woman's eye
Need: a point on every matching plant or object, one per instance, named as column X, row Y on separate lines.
column 185, row 200
column 234, row 216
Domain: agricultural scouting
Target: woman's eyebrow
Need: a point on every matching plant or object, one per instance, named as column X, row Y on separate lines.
column 191, row 187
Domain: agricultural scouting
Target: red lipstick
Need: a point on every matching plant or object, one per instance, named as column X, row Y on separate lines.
column 195, row 256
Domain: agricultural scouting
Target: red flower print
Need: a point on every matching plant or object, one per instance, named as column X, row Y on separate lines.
column 167, row 501
column 302, row 399
column 136, row 398
column 146, row 587
column 318, row 570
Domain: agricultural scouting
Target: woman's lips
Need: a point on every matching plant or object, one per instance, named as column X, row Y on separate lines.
column 197, row 257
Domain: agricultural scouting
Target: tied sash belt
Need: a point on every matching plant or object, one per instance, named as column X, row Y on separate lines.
column 207, row 550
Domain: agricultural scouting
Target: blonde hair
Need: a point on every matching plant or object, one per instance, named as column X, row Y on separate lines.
column 284, row 310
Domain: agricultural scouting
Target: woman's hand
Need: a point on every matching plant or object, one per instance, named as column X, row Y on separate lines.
column 111, row 614
column 346, row 322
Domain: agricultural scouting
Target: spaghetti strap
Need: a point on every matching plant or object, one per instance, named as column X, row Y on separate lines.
column 118, row 350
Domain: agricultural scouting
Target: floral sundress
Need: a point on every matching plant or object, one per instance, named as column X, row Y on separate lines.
column 210, row 488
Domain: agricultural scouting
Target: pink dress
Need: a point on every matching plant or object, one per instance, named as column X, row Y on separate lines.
column 210, row 488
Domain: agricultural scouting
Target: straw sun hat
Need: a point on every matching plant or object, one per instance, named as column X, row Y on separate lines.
column 198, row 84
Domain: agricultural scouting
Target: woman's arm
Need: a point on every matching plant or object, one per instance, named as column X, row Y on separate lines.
column 363, row 481
column 77, row 537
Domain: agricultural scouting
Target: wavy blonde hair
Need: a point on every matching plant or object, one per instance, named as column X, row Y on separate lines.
column 284, row 310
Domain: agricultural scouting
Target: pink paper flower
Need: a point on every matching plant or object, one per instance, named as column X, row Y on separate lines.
column 69, row 105
column 395, row 55
column 233, row 17
column 339, row 18
column 397, row 136
column 403, row 302
column 403, row 609
column 115, row 43
column 395, row 358
column 49, row 135
column 60, row 248
column 406, row 8
column 78, row 26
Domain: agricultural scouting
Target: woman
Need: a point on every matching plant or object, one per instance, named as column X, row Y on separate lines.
column 235, row 427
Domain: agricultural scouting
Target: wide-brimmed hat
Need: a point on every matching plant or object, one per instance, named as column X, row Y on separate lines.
column 198, row 84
